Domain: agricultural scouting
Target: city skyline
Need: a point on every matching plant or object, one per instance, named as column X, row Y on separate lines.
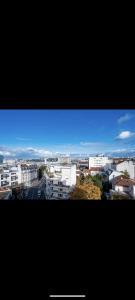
column 38, row 133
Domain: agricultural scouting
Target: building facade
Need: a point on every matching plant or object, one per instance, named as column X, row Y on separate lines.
column 129, row 166
column 114, row 174
column 100, row 162
column 20, row 174
column 28, row 174
column 124, row 185
column 10, row 176
column 57, row 160
column 60, row 181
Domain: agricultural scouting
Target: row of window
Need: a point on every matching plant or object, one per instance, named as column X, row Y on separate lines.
column 4, row 176
column 59, row 182
column 53, row 188
column 59, row 195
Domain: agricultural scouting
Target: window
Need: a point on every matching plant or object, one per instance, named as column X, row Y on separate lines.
column 60, row 195
column 3, row 183
column 14, row 178
column 59, row 183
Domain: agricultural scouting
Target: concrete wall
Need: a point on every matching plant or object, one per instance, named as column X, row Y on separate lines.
column 127, row 165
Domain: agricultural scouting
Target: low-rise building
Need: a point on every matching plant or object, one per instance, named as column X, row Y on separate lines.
column 93, row 171
column 124, row 185
column 60, row 181
column 112, row 174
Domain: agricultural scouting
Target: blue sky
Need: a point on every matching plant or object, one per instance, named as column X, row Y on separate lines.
column 36, row 133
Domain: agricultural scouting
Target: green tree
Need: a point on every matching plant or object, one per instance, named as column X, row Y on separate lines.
column 126, row 174
column 97, row 180
column 88, row 179
column 41, row 171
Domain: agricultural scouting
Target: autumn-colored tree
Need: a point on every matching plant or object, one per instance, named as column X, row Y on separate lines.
column 77, row 180
column 86, row 192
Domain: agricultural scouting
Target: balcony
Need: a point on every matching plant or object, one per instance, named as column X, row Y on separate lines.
column 4, row 183
column 4, row 177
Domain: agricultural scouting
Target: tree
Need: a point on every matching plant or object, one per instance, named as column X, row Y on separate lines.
column 41, row 171
column 97, row 180
column 88, row 179
column 82, row 178
column 126, row 174
column 86, row 192
column 78, row 180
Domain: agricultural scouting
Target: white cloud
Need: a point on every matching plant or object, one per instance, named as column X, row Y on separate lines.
column 120, row 150
column 89, row 144
column 28, row 151
column 125, row 135
column 125, row 118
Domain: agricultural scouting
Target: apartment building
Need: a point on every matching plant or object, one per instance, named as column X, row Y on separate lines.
column 28, row 174
column 129, row 166
column 100, row 162
column 60, row 181
column 10, row 176
column 20, row 174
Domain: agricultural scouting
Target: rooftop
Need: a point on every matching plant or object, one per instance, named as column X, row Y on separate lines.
column 96, row 169
column 121, row 181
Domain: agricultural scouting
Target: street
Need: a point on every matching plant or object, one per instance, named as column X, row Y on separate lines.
column 36, row 191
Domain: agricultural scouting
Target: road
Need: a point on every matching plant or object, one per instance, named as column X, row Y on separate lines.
column 36, row 191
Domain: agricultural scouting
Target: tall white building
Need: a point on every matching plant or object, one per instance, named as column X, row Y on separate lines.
column 100, row 162
column 60, row 181
column 129, row 166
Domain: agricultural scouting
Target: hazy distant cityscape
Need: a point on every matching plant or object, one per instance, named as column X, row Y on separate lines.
column 67, row 155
